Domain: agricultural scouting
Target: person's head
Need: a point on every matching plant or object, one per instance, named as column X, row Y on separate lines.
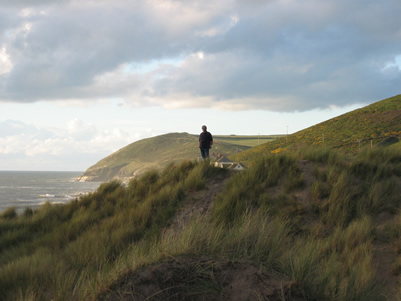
column 204, row 128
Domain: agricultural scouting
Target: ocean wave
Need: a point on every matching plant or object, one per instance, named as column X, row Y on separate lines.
column 52, row 203
column 47, row 195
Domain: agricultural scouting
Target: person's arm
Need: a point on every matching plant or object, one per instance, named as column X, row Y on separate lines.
column 211, row 140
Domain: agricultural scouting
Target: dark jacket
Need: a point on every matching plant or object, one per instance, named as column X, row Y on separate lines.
column 205, row 140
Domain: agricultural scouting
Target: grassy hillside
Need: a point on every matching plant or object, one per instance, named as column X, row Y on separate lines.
column 250, row 141
column 156, row 152
column 308, row 225
column 349, row 132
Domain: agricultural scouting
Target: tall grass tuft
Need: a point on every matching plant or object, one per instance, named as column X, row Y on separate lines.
column 9, row 213
column 320, row 155
column 341, row 207
column 254, row 237
column 338, row 267
column 244, row 189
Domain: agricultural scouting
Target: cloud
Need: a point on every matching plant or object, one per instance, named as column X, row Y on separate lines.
column 40, row 148
column 13, row 127
column 78, row 130
column 234, row 55
column 28, row 3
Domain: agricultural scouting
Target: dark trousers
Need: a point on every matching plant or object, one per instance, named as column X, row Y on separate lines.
column 204, row 152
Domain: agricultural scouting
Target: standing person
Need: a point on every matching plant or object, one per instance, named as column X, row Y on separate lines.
column 205, row 142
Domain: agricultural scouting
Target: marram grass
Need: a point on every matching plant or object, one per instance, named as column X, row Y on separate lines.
column 82, row 249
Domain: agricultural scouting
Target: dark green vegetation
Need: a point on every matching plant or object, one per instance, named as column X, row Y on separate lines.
column 154, row 153
column 318, row 222
column 349, row 132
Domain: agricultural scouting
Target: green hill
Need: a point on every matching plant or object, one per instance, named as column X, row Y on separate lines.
column 156, row 152
column 349, row 132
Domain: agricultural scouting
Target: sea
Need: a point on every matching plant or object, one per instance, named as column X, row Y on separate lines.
column 30, row 189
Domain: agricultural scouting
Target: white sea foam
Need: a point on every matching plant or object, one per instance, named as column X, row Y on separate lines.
column 47, row 195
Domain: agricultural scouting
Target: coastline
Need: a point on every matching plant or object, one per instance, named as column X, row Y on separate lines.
column 31, row 189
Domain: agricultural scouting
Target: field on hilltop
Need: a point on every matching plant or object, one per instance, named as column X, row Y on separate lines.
column 246, row 140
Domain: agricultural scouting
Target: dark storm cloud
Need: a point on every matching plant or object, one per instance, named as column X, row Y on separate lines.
column 272, row 55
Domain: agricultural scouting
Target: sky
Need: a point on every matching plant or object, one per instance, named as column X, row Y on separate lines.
column 80, row 79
